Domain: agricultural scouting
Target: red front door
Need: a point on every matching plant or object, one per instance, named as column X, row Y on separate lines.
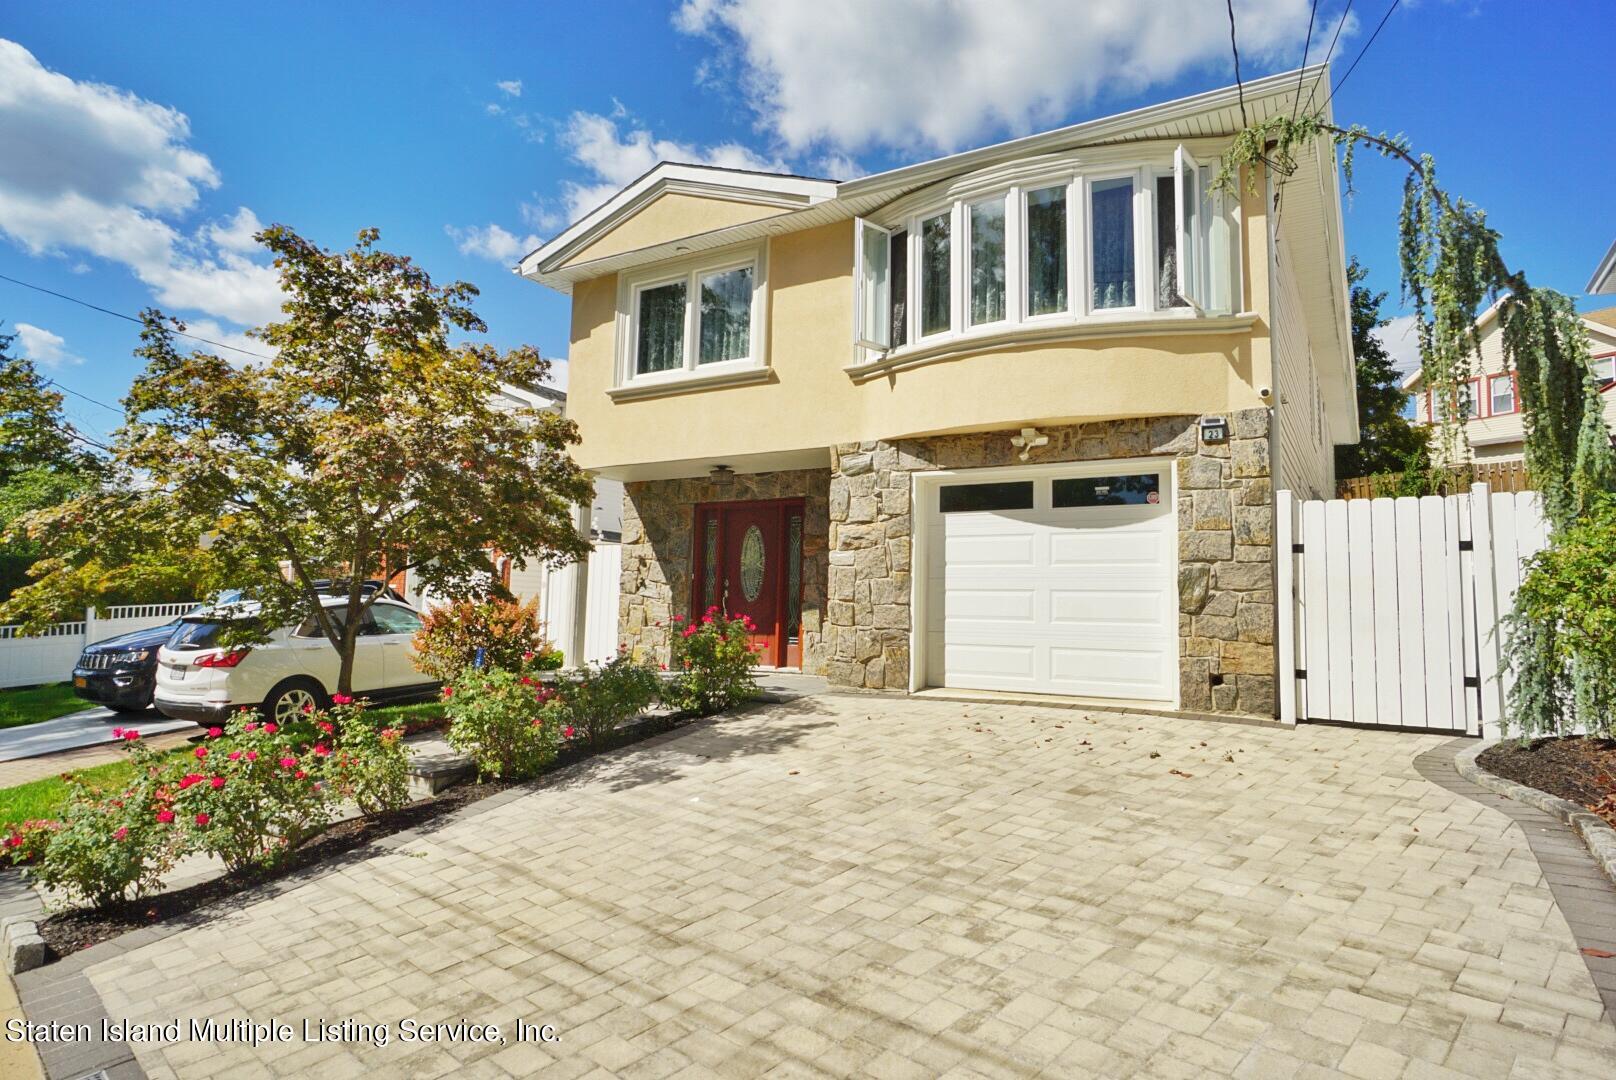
column 748, row 563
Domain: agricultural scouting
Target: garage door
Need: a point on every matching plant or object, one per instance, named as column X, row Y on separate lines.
column 1061, row 583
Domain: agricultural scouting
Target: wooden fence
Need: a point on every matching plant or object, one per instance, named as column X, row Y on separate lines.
column 1499, row 476
column 1394, row 606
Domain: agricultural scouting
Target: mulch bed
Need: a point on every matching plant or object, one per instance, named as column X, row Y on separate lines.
column 1578, row 769
column 69, row 931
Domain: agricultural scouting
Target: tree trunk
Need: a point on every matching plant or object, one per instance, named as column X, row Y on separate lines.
column 350, row 637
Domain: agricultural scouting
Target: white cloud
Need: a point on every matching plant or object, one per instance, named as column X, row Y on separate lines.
column 93, row 169
column 491, row 242
column 1401, row 340
column 615, row 157
column 849, row 75
column 44, row 348
column 510, row 87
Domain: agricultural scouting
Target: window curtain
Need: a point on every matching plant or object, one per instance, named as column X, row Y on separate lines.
column 726, row 316
column 1112, row 227
column 661, row 345
column 1046, row 251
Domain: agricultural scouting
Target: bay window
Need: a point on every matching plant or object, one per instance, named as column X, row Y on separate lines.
column 1046, row 251
column 936, row 279
column 704, row 320
column 987, row 261
column 1110, row 243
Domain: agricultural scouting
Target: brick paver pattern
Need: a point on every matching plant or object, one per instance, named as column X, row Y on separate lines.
column 854, row 885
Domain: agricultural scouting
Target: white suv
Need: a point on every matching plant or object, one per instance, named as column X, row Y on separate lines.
column 198, row 680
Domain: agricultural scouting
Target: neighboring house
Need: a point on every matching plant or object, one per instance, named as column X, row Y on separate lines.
column 1604, row 279
column 1490, row 398
column 1009, row 420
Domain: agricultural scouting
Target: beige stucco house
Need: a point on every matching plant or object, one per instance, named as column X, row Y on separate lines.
column 1005, row 421
column 1490, row 398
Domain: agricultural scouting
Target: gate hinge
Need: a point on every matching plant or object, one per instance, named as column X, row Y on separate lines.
column 1301, row 673
column 1472, row 682
column 1467, row 545
column 1296, row 549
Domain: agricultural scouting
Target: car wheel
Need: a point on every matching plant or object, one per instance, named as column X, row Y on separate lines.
column 291, row 699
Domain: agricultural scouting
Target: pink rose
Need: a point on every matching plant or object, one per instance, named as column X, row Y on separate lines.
column 201, row 752
column 252, row 755
column 234, row 755
column 448, row 691
column 249, row 726
column 120, row 834
column 288, row 761
column 300, row 774
column 117, row 733
column 566, row 732
column 341, row 699
column 131, row 735
column 203, row 819
column 528, row 655
column 215, row 732
column 271, row 728
column 189, row 779
column 217, row 782
column 165, row 816
column 321, row 750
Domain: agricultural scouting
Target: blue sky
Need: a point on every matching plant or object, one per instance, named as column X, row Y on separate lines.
column 143, row 142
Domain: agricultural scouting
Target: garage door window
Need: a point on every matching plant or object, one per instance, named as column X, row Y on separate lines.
column 1133, row 489
column 958, row 498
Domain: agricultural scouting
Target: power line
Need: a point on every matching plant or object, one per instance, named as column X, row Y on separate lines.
column 129, row 318
column 1239, row 87
column 1381, row 26
column 1307, row 43
column 86, row 397
column 1341, row 22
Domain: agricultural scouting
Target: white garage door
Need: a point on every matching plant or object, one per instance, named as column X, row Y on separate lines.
column 1061, row 583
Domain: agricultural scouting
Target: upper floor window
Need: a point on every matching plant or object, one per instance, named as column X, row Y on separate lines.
column 1501, row 394
column 1107, row 242
column 1605, row 369
column 703, row 319
column 1470, row 399
column 1413, row 407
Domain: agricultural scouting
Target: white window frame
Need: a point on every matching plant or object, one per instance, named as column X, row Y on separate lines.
column 691, row 271
column 917, row 273
column 1140, row 270
column 1023, row 252
column 1492, row 395
column 883, row 305
column 1012, row 271
column 1604, row 367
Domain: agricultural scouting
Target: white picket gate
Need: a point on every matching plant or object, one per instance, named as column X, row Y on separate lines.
column 1395, row 604
column 558, row 605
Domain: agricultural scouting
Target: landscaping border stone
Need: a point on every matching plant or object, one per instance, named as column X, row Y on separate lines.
column 1593, row 830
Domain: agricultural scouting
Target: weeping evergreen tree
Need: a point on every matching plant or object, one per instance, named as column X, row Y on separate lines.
column 1451, row 268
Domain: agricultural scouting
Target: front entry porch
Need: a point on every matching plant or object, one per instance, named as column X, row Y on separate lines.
column 751, row 565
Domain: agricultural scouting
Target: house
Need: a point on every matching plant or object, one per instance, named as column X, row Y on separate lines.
column 1006, row 421
column 1490, row 399
column 1604, row 279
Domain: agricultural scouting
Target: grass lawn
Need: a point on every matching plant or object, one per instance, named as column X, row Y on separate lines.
column 44, row 798
column 31, row 704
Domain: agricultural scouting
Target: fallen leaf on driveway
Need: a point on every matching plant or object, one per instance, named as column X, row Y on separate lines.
column 1599, row 953
column 1181, row 772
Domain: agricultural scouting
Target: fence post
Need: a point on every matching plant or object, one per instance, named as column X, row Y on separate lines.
column 89, row 625
column 1285, row 604
column 1487, row 613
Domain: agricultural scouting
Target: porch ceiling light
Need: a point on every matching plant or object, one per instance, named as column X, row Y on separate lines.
column 721, row 474
column 1028, row 441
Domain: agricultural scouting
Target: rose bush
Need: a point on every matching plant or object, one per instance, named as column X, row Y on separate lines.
column 713, row 658
column 25, row 841
column 507, row 633
column 254, row 792
column 370, row 765
column 109, row 844
column 507, row 722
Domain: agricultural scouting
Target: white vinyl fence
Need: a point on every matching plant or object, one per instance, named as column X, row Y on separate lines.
column 558, row 605
column 1395, row 606
column 49, row 657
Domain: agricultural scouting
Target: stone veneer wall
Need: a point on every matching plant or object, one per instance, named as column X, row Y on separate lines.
column 658, row 522
column 1225, row 522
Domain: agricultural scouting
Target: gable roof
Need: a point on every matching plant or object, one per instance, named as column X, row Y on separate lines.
column 1600, row 323
column 1604, row 279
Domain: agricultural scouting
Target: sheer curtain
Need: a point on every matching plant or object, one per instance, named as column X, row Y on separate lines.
column 726, row 316
column 662, row 328
column 1111, row 227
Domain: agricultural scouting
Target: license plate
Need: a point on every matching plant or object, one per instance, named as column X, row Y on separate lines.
column 80, row 681
column 179, row 673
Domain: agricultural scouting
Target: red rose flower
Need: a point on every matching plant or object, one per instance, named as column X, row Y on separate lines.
column 341, row 699
column 165, row 815
column 201, row 752
column 120, row 834
column 270, row 728
column 215, row 732
column 203, row 819
column 217, row 782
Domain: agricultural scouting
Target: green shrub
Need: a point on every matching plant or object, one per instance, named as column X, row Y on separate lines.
column 600, row 699
column 108, row 844
column 712, row 659
column 1560, row 638
column 505, row 721
column 507, row 633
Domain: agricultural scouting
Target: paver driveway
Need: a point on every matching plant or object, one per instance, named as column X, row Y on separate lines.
column 857, row 885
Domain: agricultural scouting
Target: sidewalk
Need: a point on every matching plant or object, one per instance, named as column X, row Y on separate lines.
column 91, row 727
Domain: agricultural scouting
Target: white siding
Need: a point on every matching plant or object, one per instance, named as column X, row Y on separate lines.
column 1304, row 452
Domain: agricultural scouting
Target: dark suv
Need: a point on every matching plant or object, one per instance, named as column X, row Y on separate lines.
column 121, row 671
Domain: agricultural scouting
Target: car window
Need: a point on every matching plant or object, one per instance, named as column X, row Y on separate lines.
column 310, row 627
column 395, row 620
column 195, row 634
